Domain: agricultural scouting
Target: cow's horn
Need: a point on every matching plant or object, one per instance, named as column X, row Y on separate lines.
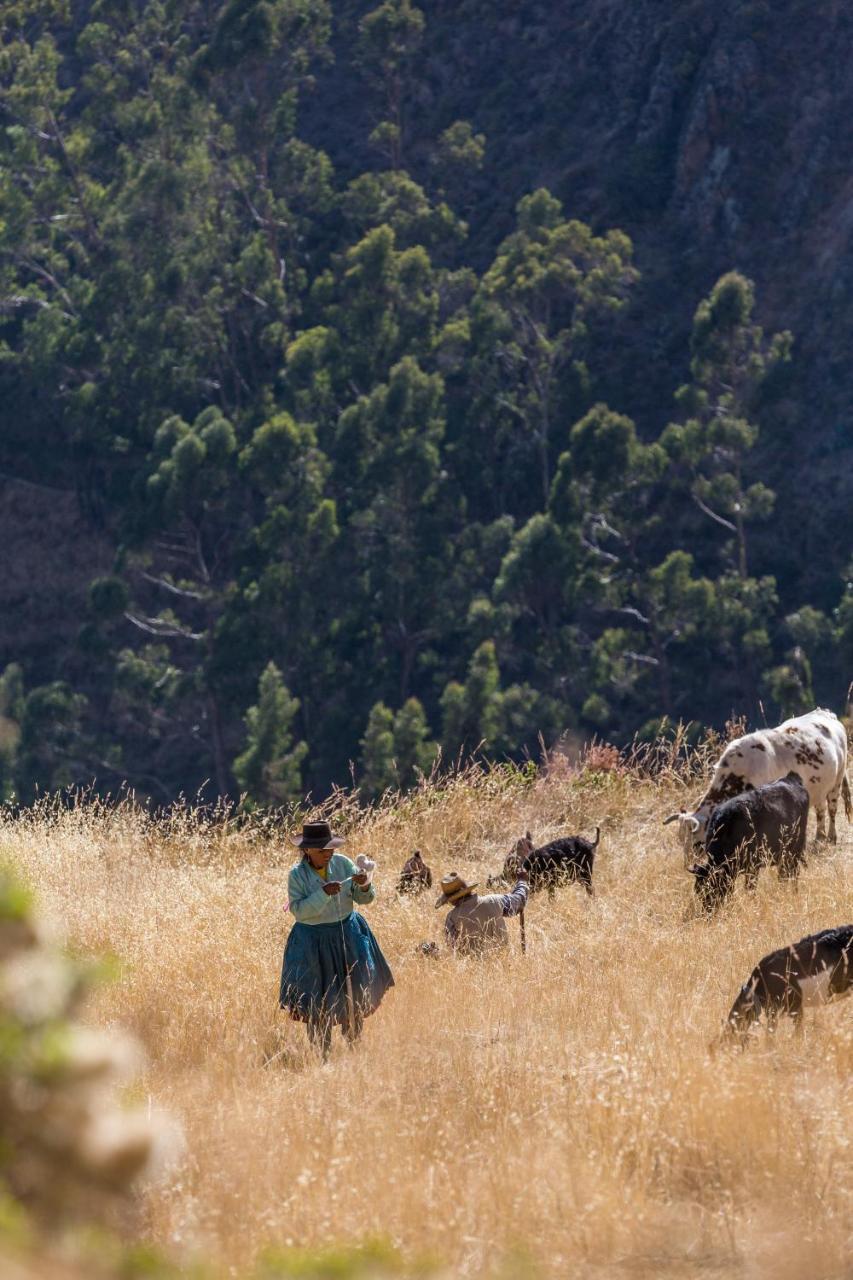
column 672, row 817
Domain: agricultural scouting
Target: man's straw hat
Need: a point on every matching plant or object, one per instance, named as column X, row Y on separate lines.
column 454, row 889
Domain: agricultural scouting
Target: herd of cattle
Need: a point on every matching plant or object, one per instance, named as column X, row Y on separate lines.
column 753, row 814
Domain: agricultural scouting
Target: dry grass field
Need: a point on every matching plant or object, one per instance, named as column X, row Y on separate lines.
column 561, row 1107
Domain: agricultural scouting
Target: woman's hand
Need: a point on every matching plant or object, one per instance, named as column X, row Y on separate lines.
column 331, row 887
column 360, row 879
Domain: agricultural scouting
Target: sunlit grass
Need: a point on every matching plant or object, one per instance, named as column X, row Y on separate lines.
column 564, row 1102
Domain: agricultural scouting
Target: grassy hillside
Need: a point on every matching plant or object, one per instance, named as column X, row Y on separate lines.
column 563, row 1104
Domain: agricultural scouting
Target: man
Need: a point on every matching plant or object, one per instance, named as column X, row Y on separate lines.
column 477, row 924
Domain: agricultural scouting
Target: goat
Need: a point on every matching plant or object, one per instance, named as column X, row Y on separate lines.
column 811, row 971
column 415, row 876
column 562, row 861
column 512, row 863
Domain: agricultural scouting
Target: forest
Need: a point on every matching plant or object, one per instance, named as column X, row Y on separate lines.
column 375, row 434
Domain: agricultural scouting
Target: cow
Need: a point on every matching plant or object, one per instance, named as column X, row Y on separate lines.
column 560, row 862
column 765, row 825
column 815, row 745
column 415, row 876
column 814, row 970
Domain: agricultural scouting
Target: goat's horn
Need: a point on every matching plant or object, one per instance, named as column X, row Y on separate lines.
column 671, row 818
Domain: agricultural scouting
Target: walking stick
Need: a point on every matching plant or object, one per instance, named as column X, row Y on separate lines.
column 350, row 996
column 523, row 932
column 365, row 865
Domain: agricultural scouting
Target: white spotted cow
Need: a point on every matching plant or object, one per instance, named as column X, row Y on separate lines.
column 813, row 745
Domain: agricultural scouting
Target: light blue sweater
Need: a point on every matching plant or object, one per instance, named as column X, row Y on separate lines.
column 311, row 905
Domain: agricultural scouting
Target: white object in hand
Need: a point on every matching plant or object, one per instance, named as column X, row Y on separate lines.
column 366, row 866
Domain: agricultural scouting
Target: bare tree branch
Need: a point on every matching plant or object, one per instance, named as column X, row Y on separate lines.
column 599, row 551
column 727, row 524
column 631, row 612
column 163, row 630
column 641, row 657
column 170, row 586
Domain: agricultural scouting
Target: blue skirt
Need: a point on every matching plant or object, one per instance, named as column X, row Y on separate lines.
column 317, row 958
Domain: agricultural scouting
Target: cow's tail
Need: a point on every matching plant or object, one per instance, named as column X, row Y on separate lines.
column 845, row 793
column 597, row 837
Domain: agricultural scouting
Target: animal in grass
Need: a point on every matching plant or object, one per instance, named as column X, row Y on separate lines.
column 815, row 745
column 415, row 876
column 763, row 826
column 512, row 862
column 813, row 971
column 561, row 862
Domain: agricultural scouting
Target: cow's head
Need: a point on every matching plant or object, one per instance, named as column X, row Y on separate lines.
column 712, row 884
column 692, row 828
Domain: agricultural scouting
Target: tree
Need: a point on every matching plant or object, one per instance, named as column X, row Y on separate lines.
column 731, row 358
column 414, row 751
column 457, row 158
column 389, row 36
column 11, row 714
column 48, row 755
column 377, row 751
column 395, row 749
column 550, row 277
column 269, row 770
column 400, row 509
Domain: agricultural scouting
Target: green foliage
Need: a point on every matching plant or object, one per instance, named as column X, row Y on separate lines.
column 377, row 751
column 376, row 1260
column 730, row 360
column 354, row 427
column 396, row 750
column 549, row 279
column 389, row 37
column 108, row 597
column 269, row 770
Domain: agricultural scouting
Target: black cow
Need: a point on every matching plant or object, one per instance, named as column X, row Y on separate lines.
column 560, row 862
column 812, row 971
column 415, row 876
column 767, row 825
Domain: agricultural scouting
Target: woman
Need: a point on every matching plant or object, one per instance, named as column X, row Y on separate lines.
column 333, row 970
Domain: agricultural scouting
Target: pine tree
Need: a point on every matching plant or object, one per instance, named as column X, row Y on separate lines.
column 269, row 770
column 377, row 751
column 731, row 358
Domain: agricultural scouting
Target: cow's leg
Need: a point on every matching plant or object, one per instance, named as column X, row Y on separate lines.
column 820, row 813
column 832, row 806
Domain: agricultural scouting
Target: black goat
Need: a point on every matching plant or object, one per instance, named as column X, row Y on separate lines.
column 561, row 862
column 760, row 827
column 812, row 971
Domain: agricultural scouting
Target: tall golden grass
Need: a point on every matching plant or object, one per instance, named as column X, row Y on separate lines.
column 564, row 1104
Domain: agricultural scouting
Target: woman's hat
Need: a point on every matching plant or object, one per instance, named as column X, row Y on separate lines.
column 454, row 889
column 317, row 835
